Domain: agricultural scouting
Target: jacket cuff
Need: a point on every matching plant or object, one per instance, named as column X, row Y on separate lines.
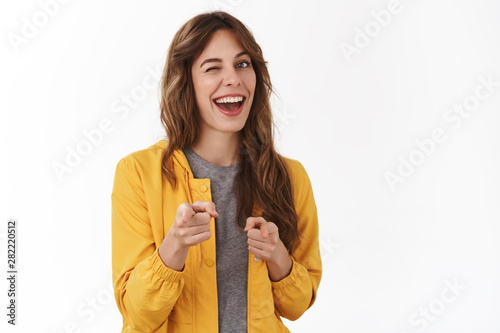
column 288, row 280
column 162, row 270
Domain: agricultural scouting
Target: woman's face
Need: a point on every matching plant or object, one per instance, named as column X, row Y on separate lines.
column 223, row 70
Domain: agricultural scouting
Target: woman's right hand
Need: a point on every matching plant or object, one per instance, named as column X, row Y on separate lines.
column 191, row 227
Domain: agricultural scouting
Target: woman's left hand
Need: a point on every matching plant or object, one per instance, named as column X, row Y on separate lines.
column 264, row 242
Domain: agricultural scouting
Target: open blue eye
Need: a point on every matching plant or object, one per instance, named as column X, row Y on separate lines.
column 244, row 62
column 247, row 64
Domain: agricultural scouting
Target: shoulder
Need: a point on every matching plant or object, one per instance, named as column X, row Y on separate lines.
column 298, row 176
column 295, row 169
column 144, row 158
column 140, row 169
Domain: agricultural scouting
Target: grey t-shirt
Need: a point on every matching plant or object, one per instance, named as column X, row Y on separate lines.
column 231, row 243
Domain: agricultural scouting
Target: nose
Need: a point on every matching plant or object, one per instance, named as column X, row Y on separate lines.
column 231, row 78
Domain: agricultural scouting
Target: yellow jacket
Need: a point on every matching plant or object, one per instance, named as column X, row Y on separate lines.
column 155, row 298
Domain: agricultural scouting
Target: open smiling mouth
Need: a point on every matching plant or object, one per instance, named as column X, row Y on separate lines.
column 230, row 104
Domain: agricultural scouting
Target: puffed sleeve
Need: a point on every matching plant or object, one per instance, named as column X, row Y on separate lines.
column 145, row 288
column 296, row 292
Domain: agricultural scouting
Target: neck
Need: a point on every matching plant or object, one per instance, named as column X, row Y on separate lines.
column 219, row 148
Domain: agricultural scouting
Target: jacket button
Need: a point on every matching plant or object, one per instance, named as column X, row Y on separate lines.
column 256, row 259
column 209, row 262
column 203, row 188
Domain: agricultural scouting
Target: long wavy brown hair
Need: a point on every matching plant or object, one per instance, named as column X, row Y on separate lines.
column 262, row 179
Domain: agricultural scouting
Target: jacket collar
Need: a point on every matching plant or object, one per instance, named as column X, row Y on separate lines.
column 179, row 158
column 181, row 161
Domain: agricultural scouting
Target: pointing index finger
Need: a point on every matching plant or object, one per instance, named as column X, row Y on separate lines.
column 205, row 206
column 253, row 222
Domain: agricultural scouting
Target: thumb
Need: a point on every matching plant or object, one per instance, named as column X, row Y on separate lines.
column 250, row 224
column 212, row 210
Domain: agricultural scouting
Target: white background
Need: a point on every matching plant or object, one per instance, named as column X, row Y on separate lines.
column 389, row 255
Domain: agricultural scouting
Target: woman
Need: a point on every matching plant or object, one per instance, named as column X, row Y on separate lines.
column 212, row 229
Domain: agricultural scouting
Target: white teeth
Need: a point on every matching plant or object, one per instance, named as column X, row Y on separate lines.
column 229, row 99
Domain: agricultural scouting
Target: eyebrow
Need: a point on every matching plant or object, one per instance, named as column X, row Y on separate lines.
column 219, row 60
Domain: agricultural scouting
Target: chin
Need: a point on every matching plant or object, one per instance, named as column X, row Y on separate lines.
column 230, row 128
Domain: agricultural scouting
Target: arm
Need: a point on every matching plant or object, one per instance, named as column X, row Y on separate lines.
column 145, row 288
column 296, row 292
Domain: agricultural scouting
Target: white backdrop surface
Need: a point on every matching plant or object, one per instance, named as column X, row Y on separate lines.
column 391, row 106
